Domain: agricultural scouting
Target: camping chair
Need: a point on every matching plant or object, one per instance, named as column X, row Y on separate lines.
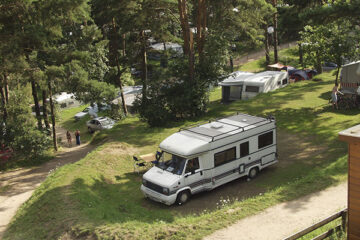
column 138, row 164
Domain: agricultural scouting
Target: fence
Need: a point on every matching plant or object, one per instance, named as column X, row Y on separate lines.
column 342, row 226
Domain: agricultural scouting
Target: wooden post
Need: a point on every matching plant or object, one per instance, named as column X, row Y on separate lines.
column 343, row 221
column 352, row 137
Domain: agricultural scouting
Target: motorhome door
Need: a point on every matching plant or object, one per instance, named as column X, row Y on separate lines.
column 194, row 175
column 235, row 92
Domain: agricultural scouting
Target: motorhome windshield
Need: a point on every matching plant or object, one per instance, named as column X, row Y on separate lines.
column 172, row 163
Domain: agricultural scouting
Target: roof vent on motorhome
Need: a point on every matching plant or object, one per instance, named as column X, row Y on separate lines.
column 216, row 125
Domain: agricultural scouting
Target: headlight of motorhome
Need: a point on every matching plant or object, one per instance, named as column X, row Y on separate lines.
column 144, row 182
column 166, row 191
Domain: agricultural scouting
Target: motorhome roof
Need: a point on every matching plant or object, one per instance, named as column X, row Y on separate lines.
column 195, row 139
column 236, row 78
column 223, row 127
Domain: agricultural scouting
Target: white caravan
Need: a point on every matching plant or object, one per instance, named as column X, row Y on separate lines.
column 243, row 85
column 350, row 78
column 203, row 157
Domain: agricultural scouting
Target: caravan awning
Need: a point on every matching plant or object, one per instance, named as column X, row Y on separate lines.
column 277, row 66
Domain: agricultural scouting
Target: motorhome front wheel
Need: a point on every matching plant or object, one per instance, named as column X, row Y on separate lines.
column 183, row 197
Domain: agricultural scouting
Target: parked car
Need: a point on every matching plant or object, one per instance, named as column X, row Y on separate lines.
column 99, row 124
column 328, row 66
column 88, row 110
column 5, row 153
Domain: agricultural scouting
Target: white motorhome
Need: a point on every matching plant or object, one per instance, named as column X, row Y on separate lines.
column 203, row 157
column 244, row 85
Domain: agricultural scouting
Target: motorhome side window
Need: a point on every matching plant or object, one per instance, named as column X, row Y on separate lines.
column 265, row 139
column 192, row 165
column 223, row 157
column 252, row 89
column 244, row 149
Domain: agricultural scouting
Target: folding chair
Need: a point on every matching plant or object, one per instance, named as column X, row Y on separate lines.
column 138, row 164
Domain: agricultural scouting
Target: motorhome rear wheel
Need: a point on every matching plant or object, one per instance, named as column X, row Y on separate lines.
column 253, row 172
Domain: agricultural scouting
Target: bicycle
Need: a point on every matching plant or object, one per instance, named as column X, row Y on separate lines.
column 346, row 101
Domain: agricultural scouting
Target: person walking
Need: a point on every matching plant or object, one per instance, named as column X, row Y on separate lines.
column 68, row 136
column 334, row 96
column 77, row 135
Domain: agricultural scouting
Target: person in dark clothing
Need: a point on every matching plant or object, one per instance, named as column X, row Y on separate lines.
column 77, row 135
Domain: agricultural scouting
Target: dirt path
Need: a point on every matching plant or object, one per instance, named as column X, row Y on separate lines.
column 284, row 219
column 19, row 184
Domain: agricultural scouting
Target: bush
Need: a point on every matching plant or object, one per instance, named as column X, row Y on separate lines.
column 32, row 144
column 19, row 130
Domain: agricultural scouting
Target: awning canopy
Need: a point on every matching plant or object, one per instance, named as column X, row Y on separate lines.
column 277, row 66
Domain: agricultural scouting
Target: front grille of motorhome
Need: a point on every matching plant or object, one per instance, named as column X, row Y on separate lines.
column 154, row 187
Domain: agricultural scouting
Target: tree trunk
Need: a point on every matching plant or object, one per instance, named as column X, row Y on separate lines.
column 337, row 74
column 267, row 51
column 144, row 70
column 191, row 58
column 36, row 102
column 6, row 87
column 318, row 64
column 201, row 26
column 52, row 116
column 121, row 88
column 276, row 59
column 3, row 102
column 188, row 37
column 301, row 59
column 45, row 113
column 184, row 25
column 124, row 44
column 231, row 64
column 118, row 66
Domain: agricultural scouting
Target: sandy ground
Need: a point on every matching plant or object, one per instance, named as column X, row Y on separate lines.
column 21, row 183
column 287, row 218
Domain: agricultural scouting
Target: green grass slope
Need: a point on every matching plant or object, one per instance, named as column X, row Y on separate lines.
column 99, row 197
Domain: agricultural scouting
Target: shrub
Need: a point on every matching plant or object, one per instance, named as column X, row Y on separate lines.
column 19, row 130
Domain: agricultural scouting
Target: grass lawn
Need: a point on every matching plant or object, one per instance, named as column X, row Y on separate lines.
column 100, row 197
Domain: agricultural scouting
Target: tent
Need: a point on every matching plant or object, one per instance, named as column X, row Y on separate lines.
column 298, row 75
